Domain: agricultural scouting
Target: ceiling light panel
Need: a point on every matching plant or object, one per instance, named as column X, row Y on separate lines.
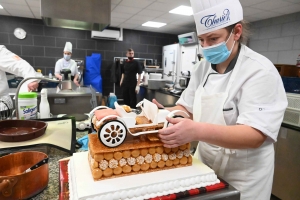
column 182, row 10
column 154, row 24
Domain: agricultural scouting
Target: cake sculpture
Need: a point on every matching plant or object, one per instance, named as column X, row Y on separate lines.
column 114, row 125
column 82, row 185
column 127, row 143
column 126, row 159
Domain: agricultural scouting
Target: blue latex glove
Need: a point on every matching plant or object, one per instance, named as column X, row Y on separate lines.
column 83, row 142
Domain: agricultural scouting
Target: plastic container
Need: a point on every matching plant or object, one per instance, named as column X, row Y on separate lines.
column 50, row 74
column 39, row 73
column 112, row 98
column 298, row 61
column 44, row 105
column 27, row 103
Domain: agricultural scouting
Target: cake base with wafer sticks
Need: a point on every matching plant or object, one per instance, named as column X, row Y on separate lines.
column 134, row 156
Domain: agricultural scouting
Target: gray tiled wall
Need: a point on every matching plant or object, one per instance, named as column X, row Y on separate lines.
column 277, row 38
column 44, row 45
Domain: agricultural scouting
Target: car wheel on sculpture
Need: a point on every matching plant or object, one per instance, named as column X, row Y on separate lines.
column 112, row 133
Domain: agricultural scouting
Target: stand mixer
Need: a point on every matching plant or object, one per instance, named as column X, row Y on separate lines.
column 175, row 89
column 182, row 83
column 184, row 79
column 66, row 82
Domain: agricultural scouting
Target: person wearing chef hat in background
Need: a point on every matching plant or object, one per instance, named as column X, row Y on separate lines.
column 67, row 63
column 236, row 99
column 11, row 63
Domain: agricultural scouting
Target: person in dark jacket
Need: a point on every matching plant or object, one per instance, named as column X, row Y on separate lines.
column 129, row 82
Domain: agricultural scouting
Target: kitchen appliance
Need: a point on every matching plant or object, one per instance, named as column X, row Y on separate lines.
column 184, row 79
column 179, row 58
column 189, row 57
column 65, row 101
column 188, row 38
column 66, row 83
column 287, row 159
column 170, row 59
column 182, row 82
column 182, row 85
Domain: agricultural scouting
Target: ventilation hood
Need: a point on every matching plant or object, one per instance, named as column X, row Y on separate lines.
column 77, row 14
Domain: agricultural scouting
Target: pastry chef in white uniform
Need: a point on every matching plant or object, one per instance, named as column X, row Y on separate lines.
column 67, row 63
column 11, row 63
column 236, row 99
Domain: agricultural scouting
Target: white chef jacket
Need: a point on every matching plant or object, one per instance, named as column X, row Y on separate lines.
column 257, row 97
column 63, row 64
column 11, row 63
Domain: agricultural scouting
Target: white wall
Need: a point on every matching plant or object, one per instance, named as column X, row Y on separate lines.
column 277, row 38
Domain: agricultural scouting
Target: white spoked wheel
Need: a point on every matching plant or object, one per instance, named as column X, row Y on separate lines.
column 112, row 133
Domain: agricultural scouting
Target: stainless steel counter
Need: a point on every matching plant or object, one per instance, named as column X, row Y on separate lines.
column 75, row 102
column 52, row 92
column 167, row 99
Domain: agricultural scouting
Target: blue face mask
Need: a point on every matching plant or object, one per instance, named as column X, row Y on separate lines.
column 217, row 53
column 67, row 57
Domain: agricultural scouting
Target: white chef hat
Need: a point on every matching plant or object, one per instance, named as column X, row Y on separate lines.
column 211, row 15
column 68, row 47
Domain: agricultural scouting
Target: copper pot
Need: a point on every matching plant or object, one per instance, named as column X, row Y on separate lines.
column 15, row 183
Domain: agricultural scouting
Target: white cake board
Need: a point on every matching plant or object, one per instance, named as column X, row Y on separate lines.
column 140, row 186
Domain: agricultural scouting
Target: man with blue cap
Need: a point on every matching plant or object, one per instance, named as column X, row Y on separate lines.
column 237, row 100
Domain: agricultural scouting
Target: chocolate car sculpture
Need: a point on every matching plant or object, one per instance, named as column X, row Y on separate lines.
column 114, row 125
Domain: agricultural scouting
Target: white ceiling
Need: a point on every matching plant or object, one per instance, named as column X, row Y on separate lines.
column 130, row 14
